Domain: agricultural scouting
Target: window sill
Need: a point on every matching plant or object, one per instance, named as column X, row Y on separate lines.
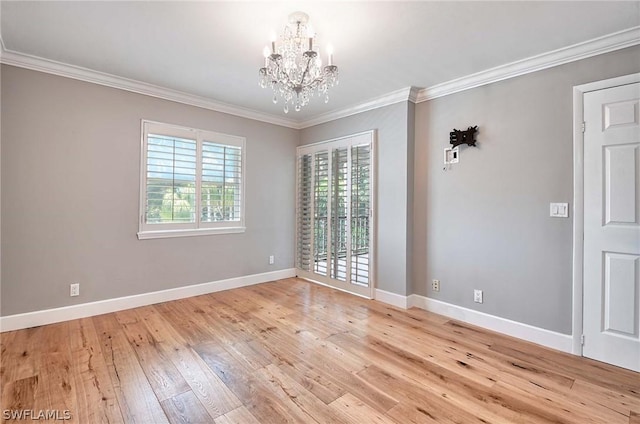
column 146, row 235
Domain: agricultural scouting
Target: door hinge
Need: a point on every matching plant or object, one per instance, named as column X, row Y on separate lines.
column 584, row 124
column 582, row 340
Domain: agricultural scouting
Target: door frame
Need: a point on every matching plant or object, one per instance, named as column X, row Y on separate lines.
column 578, row 197
column 373, row 227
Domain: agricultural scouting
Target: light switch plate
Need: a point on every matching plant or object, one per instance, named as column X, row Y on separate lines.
column 559, row 210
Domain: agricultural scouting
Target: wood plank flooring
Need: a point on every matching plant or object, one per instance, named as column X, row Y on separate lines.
column 294, row 352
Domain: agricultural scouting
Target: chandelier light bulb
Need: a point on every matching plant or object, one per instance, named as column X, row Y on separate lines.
column 310, row 35
column 273, row 42
column 294, row 71
column 330, row 54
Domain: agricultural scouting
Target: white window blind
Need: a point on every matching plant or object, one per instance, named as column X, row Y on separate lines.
column 221, row 182
column 171, row 179
column 192, row 182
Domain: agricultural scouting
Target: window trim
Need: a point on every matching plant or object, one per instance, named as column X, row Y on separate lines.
column 197, row 228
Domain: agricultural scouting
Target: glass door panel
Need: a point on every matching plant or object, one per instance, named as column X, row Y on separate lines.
column 321, row 212
column 334, row 219
column 339, row 213
column 360, row 213
column 305, row 213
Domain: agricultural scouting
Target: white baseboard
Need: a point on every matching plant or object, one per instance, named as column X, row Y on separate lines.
column 541, row 336
column 50, row 316
column 392, row 299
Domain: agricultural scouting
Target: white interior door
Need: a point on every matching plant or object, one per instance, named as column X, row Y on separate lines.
column 611, row 317
column 334, row 213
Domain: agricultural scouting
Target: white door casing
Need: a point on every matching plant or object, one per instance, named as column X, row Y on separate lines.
column 611, row 264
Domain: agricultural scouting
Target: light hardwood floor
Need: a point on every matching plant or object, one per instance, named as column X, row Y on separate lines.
column 292, row 351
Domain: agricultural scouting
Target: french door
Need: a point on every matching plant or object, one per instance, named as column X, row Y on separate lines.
column 334, row 213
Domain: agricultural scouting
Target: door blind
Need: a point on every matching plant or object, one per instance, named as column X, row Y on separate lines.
column 360, row 213
column 333, row 220
column 340, row 214
column 321, row 212
column 305, row 210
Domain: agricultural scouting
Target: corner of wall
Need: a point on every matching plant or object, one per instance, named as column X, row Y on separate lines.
column 411, row 118
column 1, row 49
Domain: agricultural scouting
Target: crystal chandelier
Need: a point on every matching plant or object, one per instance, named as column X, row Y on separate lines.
column 293, row 68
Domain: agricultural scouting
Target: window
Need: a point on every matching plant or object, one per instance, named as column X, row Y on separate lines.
column 192, row 182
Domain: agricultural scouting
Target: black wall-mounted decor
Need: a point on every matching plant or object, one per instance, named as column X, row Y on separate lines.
column 468, row 136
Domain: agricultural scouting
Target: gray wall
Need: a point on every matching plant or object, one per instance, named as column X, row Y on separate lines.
column 70, row 185
column 70, row 182
column 485, row 223
column 393, row 157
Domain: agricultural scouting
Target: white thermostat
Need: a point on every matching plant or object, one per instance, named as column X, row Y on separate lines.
column 451, row 155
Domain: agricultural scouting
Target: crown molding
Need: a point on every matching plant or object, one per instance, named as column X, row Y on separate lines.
column 35, row 63
column 402, row 95
column 413, row 94
column 605, row 44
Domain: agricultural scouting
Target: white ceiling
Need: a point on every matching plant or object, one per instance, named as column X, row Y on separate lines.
column 214, row 49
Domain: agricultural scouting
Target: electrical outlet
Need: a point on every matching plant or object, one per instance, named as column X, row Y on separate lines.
column 272, row 260
column 477, row 296
column 435, row 285
column 74, row 289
